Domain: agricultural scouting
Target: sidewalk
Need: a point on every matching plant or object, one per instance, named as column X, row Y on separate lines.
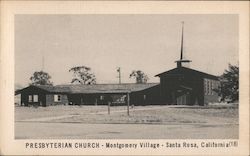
column 48, row 118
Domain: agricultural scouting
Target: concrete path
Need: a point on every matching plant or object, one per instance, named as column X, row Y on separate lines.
column 46, row 118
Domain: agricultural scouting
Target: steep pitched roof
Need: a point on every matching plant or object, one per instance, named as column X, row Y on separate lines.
column 180, row 70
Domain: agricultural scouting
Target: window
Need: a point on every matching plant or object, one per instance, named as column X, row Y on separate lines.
column 35, row 98
column 144, row 97
column 205, row 86
column 30, row 98
column 57, row 98
column 101, row 97
column 213, row 83
column 211, row 93
column 210, row 86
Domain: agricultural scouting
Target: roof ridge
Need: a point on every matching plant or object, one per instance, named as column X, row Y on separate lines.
column 194, row 70
column 107, row 84
column 199, row 71
column 106, row 88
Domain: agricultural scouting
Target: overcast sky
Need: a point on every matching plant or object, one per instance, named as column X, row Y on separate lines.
column 150, row 43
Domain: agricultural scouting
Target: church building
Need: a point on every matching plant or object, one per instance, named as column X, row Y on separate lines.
column 178, row 86
column 186, row 86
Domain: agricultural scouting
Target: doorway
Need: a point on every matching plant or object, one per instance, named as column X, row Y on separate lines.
column 183, row 98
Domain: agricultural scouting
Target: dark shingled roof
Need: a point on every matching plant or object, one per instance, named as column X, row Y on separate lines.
column 54, row 89
column 107, row 88
column 96, row 88
column 46, row 88
column 188, row 70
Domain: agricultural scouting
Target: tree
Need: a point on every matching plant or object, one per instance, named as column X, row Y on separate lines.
column 40, row 78
column 82, row 75
column 140, row 76
column 229, row 89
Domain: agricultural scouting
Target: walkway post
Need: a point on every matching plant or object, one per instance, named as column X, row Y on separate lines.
column 108, row 107
column 128, row 101
column 96, row 101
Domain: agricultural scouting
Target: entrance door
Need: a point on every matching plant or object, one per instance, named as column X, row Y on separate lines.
column 183, row 99
column 82, row 100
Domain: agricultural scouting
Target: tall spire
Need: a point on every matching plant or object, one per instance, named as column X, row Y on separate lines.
column 182, row 40
column 179, row 62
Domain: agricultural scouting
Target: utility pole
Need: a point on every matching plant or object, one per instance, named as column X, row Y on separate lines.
column 43, row 62
column 128, row 101
column 119, row 74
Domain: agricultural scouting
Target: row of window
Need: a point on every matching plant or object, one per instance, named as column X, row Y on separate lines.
column 34, row 98
column 57, row 98
column 210, row 86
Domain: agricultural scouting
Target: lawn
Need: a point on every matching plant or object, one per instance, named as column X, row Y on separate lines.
column 138, row 114
column 22, row 113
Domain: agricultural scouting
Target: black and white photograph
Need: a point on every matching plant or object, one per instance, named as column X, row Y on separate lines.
column 126, row 77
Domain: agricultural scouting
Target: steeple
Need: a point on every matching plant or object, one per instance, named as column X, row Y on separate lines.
column 179, row 62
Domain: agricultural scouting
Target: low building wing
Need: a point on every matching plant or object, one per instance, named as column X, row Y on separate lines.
column 90, row 89
column 106, row 88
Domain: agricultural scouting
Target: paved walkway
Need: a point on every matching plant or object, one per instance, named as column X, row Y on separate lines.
column 47, row 118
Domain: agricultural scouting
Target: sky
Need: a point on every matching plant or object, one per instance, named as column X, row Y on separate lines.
column 150, row 43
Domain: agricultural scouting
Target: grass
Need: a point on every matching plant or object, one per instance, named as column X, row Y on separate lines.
column 22, row 113
column 138, row 114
